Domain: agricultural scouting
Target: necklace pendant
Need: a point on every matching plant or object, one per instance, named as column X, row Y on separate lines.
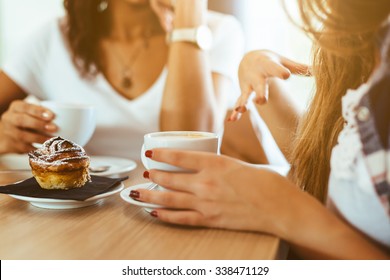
column 127, row 82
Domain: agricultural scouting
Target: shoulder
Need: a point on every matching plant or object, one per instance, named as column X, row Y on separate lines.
column 46, row 31
column 35, row 45
column 223, row 24
column 228, row 44
column 216, row 20
column 228, row 36
column 38, row 41
column 29, row 60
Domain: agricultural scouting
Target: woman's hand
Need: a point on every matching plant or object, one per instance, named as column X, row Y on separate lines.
column 165, row 12
column 221, row 192
column 186, row 13
column 255, row 69
column 24, row 124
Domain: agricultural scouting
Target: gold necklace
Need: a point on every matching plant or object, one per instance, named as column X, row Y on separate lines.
column 127, row 68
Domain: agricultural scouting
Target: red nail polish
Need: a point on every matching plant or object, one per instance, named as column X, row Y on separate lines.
column 149, row 154
column 240, row 109
column 260, row 100
column 146, row 175
column 134, row 194
column 154, row 214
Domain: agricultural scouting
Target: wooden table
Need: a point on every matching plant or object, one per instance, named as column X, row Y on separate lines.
column 116, row 230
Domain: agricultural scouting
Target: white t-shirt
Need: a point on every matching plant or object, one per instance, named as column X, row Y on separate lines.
column 43, row 68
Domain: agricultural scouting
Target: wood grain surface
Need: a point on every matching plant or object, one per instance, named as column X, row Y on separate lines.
column 116, row 230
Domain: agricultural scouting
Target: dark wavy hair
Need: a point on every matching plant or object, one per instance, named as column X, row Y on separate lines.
column 85, row 26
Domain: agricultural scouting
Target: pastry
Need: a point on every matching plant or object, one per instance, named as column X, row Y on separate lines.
column 60, row 164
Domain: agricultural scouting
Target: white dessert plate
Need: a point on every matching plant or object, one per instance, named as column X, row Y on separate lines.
column 126, row 192
column 50, row 203
column 15, row 161
column 116, row 166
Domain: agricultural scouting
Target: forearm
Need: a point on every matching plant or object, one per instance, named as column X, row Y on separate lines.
column 9, row 91
column 281, row 115
column 189, row 101
column 315, row 232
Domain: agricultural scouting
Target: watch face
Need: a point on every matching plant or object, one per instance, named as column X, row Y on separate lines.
column 204, row 37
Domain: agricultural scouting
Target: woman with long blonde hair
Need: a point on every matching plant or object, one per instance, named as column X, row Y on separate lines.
column 345, row 54
column 344, row 58
column 346, row 130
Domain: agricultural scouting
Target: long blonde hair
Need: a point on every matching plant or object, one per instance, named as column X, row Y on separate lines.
column 345, row 34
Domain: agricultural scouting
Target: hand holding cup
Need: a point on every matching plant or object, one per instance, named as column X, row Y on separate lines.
column 182, row 140
column 75, row 122
column 23, row 124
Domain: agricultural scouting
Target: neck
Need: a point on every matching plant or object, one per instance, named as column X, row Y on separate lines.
column 130, row 21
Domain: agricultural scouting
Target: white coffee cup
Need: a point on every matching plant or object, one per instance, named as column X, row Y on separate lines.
column 180, row 140
column 76, row 122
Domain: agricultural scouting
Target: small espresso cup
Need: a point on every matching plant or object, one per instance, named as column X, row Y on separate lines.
column 76, row 122
column 180, row 140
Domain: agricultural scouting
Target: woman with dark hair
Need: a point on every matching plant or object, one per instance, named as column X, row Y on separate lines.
column 337, row 202
column 145, row 65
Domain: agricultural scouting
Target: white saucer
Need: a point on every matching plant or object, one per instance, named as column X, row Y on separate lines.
column 50, row 203
column 126, row 192
column 118, row 166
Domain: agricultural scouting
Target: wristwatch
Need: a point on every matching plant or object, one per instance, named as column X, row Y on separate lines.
column 201, row 36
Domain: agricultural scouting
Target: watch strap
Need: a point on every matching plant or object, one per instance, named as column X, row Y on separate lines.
column 183, row 34
column 200, row 36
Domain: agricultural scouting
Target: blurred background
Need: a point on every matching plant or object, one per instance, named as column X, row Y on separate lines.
column 265, row 24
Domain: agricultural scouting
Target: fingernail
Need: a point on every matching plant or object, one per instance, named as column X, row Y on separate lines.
column 234, row 118
column 260, row 100
column 46, row 115
column 231, row 119
column 146, row 174
column 134, row 194
column 51, row 127
column 240, row 109
column 149, row 154
column 154, row 214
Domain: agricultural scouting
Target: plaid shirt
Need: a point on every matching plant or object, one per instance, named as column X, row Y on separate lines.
column 373, row 120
